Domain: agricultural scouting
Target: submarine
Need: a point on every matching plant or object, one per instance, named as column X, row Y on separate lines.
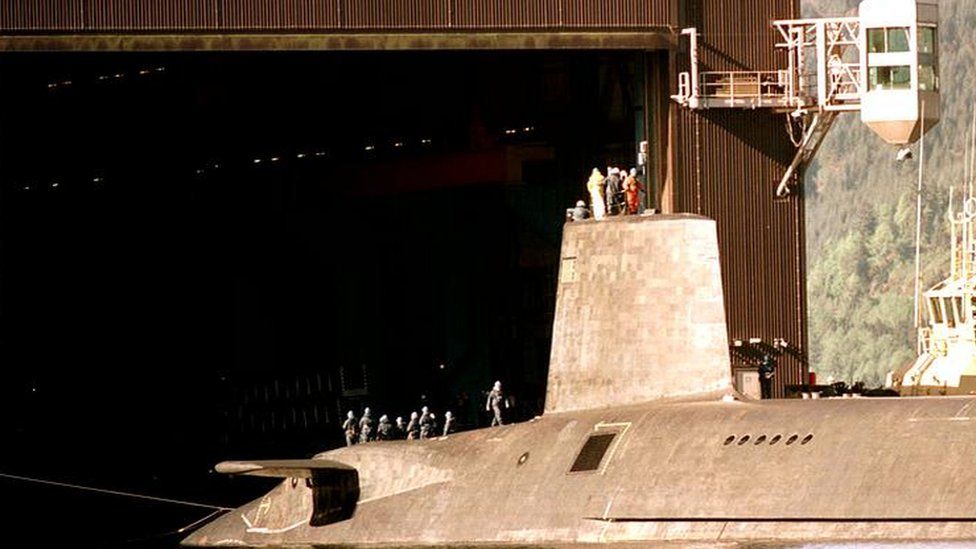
column 642, row 439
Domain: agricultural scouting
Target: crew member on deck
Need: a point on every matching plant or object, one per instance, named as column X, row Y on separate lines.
column 767, row 369
column 400, row 430
column 413, row 428
column 595, row 186
column 384, row 431
column 366, row 427
column 349, row 427
column 426, row 423
column 448, row 423
column 495, row 402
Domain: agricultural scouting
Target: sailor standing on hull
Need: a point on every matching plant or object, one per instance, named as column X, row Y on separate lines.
column 349, row 427
column 767, row 369
column 413, row 428
column 426, row 423
column 494, row 404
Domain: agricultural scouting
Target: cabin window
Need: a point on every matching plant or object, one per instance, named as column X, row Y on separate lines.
column 947, row 311
column 888, row 40
column 959, row 309
column 898, row 39
column 890, row 78
column 935, row 310
column 876, row 40
column 591, row 455
column 926, row 40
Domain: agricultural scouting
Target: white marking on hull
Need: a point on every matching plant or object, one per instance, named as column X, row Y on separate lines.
column 263, row 530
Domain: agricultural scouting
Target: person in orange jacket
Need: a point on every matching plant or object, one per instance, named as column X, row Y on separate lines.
column 632, row 189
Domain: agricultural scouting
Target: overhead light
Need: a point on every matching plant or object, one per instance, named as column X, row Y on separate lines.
column 300, row 155
column 425, row 141
column 103, row 77
column 257, row 160
column 320, row 153
column 398, row 144
column 144, row 72
column 66, row 83
column 96, row 180
column 275, row 159
column 370, row 147
column 54, row 185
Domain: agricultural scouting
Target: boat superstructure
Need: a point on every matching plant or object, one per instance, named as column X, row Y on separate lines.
column 946, row 363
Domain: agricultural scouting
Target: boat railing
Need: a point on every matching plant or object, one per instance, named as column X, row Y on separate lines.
column 924, row 339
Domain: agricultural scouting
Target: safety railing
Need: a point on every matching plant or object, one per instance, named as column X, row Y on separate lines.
column 737, row 86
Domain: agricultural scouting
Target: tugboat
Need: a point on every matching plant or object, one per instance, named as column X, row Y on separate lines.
column 946, row 363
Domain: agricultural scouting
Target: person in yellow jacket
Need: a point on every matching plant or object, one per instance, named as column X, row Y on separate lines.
column 595, row 186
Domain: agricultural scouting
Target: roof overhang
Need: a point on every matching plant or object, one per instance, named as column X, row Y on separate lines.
column 650, row 39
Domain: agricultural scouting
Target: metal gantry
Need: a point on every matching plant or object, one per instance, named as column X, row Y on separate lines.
column 832, row 68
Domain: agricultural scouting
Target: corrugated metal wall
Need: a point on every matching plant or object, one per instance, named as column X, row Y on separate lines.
column 328, row 15
column 728, row 163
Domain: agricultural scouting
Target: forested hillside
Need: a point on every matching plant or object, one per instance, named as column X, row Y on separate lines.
column 861, row 217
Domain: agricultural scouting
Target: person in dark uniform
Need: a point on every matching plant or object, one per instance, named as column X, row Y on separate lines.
column 400, row 429
column 767, row 369
column 614, row 192
column 366, row 427
column 349, row 427
column 413, row 428
column 580, row 212
column 384, row 430
column 496, row 400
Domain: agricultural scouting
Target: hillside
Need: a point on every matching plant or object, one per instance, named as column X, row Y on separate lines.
column 861, row 218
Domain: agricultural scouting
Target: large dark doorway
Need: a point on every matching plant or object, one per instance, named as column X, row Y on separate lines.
column 224, row 252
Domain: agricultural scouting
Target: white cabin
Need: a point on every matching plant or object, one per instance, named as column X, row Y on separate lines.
column 900, row 67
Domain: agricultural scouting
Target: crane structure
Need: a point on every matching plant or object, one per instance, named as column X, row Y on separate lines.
column 882, row 63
